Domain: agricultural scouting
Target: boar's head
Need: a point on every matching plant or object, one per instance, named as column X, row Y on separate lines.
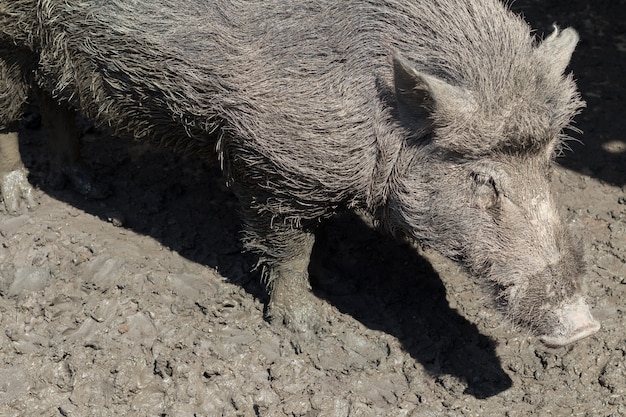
column 473, row 182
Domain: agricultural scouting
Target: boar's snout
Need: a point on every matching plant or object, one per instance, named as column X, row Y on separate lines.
column 575, row 322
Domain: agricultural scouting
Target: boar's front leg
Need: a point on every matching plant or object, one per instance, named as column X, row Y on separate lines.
column 287, row 279
column 285, row 249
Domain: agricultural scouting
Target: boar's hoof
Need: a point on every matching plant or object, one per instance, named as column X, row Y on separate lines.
column 14, row 187
column 299, row 315
column 575, row 323
column 292, row 304
column 80, row 179
column 304, row 321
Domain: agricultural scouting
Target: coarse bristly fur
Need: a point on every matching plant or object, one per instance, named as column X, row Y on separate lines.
column 440, row 118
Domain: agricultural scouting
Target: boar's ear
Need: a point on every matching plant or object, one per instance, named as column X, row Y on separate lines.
column 557, row 48
column 413, row 97
column 422, row 97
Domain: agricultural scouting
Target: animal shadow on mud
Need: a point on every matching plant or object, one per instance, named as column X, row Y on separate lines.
column 183, row 203
column 388, row 286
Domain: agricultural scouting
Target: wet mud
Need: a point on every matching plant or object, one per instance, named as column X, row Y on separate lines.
column 143, row 303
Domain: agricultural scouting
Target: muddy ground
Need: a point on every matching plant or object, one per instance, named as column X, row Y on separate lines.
column 143, row 304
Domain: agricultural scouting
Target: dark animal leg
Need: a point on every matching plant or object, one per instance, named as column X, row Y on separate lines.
column 63, row 139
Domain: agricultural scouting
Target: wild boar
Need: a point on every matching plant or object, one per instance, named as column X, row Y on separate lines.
column 439, row 118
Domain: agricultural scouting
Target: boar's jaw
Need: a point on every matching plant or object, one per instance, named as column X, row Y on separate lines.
column 575, row 323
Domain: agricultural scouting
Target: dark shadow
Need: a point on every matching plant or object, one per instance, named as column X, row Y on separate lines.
column 598, row 64
column 183, row 203
column 179, row 200
column 388, row 286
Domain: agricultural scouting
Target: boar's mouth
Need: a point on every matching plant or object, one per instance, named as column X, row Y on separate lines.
column 575, row 322
column 565, row 323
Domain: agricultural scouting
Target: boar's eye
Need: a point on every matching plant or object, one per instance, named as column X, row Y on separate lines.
column 485, row 191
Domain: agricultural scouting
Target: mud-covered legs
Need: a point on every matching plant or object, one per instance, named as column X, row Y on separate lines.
column 285, row 247
column 63, row 141
column 15, row 190
column 289, row 287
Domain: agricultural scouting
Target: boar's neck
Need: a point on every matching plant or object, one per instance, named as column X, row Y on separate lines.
column 389, row 148
column 409, row 189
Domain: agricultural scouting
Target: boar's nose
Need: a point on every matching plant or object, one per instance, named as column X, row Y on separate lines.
column 575, row 323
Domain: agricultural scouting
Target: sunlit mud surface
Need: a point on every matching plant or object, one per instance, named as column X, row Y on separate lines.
column 143, row 303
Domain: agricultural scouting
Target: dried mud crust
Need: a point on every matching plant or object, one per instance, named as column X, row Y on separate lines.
column 143, row 303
